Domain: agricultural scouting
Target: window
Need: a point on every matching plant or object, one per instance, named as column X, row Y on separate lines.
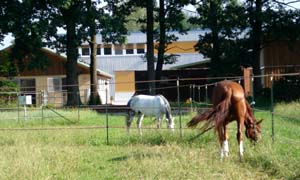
column 27, row 85
column 140, row 48
column 54, row 84
column 129, row 49
column 118, row 50
column 107, row 49
column 98, row 50
column 85, row 51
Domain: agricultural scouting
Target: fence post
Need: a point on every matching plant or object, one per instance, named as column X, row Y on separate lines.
column 252, row 90
column 179, row 107
column 272, row 108
column 194, row 91
column 78, row 105
column 199, row 95
column 206, row 96
column 106, row 112
column 191, row 99
column 18, row 107
column 42, row 103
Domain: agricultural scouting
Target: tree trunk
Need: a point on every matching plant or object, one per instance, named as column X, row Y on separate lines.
column 73, row 95
column 215, row 57
column 71, row 67
column 162, row 42
column 150, row 47
column 94, row 97
column 256, row 36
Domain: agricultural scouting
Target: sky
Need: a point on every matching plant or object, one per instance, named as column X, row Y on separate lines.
column 9, row 39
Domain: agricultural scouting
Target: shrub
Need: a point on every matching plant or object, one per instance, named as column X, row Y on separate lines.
column 287, row 88
column 6, row 89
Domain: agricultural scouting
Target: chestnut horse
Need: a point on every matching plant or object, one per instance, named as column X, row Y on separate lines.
column 229, row 104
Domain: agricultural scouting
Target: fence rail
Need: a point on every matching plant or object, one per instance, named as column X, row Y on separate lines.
column 198, row 101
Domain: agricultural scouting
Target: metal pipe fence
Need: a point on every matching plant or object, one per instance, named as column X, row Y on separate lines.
column 14, row 109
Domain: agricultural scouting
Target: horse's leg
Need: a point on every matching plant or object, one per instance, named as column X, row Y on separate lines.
column 139, row 123
column 225, row 142
column 158, row 122
column 239, row 135
column 130, row 117
column 223, row 139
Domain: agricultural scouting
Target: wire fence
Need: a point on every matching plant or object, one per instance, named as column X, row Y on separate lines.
column 49, row 108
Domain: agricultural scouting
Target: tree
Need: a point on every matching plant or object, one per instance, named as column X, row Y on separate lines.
column 224, row 23
column 70, row 14
column 136, row 19
column 110, row 22
column 269, row 21
column 256, row 35
column 20, row 19
column 91, row 19
column 7, row 69
column 170, row 18
column 150, row 47
column 167, row 17
column 39, row 22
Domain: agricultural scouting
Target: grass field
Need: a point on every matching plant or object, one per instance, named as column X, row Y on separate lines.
column 54, row 148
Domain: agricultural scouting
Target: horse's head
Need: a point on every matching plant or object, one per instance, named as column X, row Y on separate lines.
column 253, row 131
column 171, row 123
column 129, row 119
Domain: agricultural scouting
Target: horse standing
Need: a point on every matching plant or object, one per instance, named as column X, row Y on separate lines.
column 149, row 105
column 229, row 104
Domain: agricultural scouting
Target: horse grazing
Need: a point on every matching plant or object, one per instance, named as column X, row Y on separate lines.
column 229, row 104
column 149, row 105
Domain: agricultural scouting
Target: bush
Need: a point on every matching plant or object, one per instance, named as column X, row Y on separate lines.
column 8, row 86
column 287, row 88
column 6, row 95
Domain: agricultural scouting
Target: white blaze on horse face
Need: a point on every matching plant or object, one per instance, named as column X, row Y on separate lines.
column 241, row 148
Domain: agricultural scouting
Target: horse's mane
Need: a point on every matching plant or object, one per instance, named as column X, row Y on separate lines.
column 250, row 115
column 130, row 100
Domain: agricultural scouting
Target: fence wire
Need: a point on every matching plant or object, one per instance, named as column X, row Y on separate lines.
column 198, row 101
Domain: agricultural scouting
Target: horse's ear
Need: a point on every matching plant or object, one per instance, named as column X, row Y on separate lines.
column 260, row 121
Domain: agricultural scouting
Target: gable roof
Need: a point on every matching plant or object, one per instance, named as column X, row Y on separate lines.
column 82, row 65
column 57, row 65
column 140, row 37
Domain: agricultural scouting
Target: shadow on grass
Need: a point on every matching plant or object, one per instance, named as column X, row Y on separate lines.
column 136, row 156
column 161, row 138
column 265, row 164
column 7, row 142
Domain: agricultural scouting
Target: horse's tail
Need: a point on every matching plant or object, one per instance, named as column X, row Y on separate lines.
column 201, row 117
column 214, row 116
column 167, row 107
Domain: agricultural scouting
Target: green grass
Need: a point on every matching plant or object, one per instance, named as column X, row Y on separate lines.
column 74, row 153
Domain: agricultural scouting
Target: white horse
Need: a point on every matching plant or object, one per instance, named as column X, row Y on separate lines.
column 149, row 105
